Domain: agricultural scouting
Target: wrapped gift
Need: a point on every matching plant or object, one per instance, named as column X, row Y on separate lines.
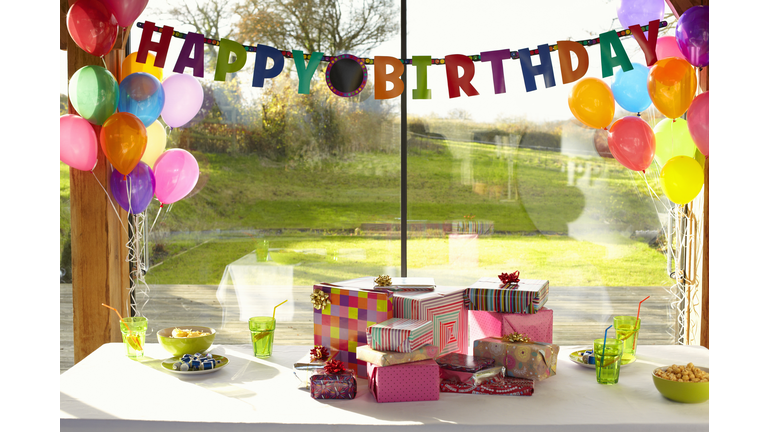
column 538, row 326
column 491, row 295
column 474, row 378
column 311, row 363
column 505, row 386
column 334, row 382
column 419, row 381
column 399, row 335
column 464, row 363
column 389, row 358
column 343, row 316
column 532, row 360
column 444, row 307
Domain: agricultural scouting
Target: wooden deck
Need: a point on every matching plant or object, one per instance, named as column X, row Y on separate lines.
column 581, row 314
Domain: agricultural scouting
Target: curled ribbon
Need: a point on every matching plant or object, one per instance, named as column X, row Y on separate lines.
column 334, row 367
column 516, row 337
column 509, row 278
column 319, row 352
column 319, row 299
column 383, row 280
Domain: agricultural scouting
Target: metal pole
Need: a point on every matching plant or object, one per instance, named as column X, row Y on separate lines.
column 403, row 146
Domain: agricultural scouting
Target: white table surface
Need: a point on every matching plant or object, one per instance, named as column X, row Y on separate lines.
column 108, row 391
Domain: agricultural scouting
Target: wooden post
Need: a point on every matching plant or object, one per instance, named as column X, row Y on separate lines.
column 99, row 266
column 704, row 339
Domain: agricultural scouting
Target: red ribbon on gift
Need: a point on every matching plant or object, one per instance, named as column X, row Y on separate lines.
column 509, row 278
column 319, row 352
column 334, row 367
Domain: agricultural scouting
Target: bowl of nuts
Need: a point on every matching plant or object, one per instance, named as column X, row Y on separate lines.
column 689, row 383
column 186, row 339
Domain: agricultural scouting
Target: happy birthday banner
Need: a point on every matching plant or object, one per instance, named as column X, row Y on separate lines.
column 347, row 75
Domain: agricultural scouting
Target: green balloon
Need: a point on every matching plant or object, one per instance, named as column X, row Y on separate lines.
column 94, row 93
column 673, row 139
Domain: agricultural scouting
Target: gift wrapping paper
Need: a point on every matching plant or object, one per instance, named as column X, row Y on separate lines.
column 306, row 367
column 505, row 386
column 333, row 386
column 538, row 326
column 342, row 323
column 444, row 307
column 389, row 358
column 536, row 361
column 474, row 378
column 399, row 334
column 488, row 294
column 464, row 363
column 483, row 324
column 419, row 381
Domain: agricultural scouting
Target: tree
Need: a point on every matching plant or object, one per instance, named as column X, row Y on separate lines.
column 209, row 18
column 332, row 27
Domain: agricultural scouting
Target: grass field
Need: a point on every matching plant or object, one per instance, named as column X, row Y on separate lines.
column 567, row 219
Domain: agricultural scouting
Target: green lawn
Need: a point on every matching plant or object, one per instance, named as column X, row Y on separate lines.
column 535, row 199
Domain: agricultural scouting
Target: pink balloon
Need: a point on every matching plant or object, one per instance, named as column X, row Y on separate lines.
column 78, row 143
column 698, row 122
column 183, row 99
column 632, row 142
column 126, row 11
column 666, row 46
column 176, row 172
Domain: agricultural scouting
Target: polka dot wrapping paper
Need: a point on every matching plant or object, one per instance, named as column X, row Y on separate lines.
column 342, row 323
column 419, row 381
column 536, row 361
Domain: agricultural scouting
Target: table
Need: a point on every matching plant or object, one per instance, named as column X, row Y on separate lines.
column 108, row 391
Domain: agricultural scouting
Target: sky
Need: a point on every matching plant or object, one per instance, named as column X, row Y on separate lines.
column 30, row 177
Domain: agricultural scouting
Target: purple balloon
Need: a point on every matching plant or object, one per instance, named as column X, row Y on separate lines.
column 692, row 35
column 641, row 12
column 139, row 184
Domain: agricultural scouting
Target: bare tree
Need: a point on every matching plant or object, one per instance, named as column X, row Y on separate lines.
column 211, row 18
column 332, row 27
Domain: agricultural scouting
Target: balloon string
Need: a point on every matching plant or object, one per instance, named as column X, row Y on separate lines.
column 110, row 201
column 156, row 216
column 104, row 62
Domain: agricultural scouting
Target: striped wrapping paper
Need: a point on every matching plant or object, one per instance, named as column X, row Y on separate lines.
column 487, row 294
column 444, row 307
column 399, row 335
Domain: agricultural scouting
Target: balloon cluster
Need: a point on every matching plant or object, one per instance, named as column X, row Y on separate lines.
column 670, row 85
column 123, row 118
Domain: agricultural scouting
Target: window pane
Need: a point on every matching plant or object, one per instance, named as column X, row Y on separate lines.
column 294, row 189
column 512, row 181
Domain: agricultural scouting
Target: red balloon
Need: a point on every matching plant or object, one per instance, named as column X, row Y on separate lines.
column 698, row 122
column 92, row 26
column 632, row 142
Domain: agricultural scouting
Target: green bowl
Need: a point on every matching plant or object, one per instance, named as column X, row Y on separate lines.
column 687, row 392
column 181, row 346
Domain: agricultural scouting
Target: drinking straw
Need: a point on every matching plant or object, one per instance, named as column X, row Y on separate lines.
column 131, row 338
column 275, row 309
column 637, row 320
column 602, row 356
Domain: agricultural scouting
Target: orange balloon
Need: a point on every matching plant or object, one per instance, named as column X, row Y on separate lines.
column 591, row 102
column 672, row 86
column 123, row 139
column 130, row 65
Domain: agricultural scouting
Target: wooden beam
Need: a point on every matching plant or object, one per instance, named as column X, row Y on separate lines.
column 99, row 266
column 679, row 6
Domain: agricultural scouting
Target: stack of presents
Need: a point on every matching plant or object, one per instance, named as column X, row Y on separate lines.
column 413, row 340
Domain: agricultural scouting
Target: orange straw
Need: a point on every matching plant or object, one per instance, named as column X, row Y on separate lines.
column 131, row 337
column 637, row 320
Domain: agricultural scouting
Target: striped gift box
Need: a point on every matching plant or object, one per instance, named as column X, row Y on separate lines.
column 399, row 335
column 488, row 294
column 444, row 307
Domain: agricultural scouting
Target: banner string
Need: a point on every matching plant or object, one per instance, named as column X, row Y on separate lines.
column 369, row 61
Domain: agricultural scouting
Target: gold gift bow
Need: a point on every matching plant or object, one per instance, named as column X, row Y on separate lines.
column 383, row 281
column 319, row 299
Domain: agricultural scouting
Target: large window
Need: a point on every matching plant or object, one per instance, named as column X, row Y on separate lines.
column 297, row 189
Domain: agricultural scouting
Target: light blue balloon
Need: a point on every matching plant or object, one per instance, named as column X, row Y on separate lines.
column 630, row 89
column 142, row 95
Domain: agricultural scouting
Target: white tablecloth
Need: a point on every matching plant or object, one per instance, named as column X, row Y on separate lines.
column 108, row 391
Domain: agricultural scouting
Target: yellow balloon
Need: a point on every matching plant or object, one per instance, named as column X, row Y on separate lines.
column 672, row 86
column 673, row 139
column 591, row 102
column 681, row 179
column 130, row 65
column 155, row 144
